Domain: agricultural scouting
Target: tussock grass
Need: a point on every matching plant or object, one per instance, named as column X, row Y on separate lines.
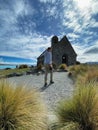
column 63, row 67
column 84, row 73
column 91, row 75
column 21, row 108
column 82, row 108
column 65, row 126
column 78, row 69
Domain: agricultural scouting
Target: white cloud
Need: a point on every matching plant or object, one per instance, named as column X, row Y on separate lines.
column 94, row 6
column 73, row 37
column 78, row 15
column 75, row 16
column 83, row 4
column 52, row 1
column 19, row 7
column 9, row 17
column 26, row 46
column 22, row 7
column 87, row 53
column 51, row 11
column 88, row 58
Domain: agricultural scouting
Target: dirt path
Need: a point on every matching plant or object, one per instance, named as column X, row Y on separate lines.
column 52, row 94
column 61, row 89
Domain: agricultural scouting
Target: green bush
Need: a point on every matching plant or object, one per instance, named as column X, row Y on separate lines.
column 20, row 108
column 81, row 109
column 23, row 66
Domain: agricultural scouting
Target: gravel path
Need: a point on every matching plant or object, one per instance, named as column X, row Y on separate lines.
column 52, row 94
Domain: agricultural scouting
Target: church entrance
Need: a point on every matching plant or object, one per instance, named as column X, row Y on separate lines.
column 65, row 59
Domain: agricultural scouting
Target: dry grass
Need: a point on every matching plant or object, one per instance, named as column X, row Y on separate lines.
column 21, row 108
column 65, row 126
column 90, row 76
column 82, row 108
column 78, row 69
column 84, row 73
column 63, row 67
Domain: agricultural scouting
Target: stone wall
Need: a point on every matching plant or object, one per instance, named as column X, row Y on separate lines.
column 61, row 49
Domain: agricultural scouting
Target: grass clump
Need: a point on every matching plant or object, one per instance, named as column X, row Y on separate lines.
column 65, row 126
column 63, row 67
column 81, row 108
column 20, row 108
column 77, row 70
column 91, row 76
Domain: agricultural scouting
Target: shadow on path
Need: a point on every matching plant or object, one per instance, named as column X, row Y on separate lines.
column 44, row 87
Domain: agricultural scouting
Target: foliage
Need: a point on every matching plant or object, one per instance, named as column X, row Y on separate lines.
column 39, row 67
column 89, row 72
column 20, row 108
column 3, row 73
column 88, row 77
column 63, row 67
column 78, row 69
column 54, row 65
column 91, row 75
column 81, row 108
column 23, row 66
column 78, row 63
column 64, row 126
column 84, row 73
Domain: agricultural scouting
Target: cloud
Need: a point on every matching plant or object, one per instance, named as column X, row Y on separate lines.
column 25, row 46
column 87, row 53
column 45, row 1
column 94, row 6
column 26, row 27
column 78, row 17
column 92, row 51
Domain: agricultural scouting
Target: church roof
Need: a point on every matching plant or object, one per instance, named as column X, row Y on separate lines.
column 64, row 39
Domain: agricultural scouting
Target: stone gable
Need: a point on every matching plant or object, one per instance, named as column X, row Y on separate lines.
column 62, row 52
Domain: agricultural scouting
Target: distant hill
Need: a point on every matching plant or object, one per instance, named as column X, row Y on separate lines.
column 92, row 63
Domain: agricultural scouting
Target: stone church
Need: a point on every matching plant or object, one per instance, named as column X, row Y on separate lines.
column 62, row 52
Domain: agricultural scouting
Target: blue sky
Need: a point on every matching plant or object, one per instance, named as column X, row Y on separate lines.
column 27, row 26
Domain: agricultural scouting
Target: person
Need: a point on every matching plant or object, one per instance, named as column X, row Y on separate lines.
column 48, row 65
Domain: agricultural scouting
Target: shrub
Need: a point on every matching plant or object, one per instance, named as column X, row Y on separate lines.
column 23, row 66
column 78, row 63
column 81, row 108
column 63, row 67
column 39, row 67
column 7, row 68
column 20, row 108
column 54, row 66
